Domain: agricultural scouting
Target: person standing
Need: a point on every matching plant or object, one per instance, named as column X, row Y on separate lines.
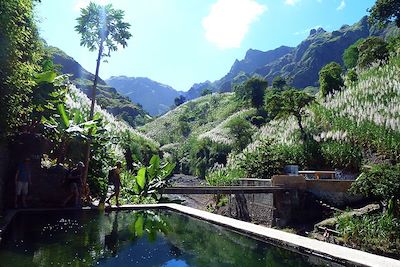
column 22, row 182
column 114, row 178
column 74, row 182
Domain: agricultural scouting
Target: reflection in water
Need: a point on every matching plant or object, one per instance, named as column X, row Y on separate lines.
column 111, row 240
column 128, row 238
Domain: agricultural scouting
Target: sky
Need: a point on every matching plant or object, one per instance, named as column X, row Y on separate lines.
column 182, row 42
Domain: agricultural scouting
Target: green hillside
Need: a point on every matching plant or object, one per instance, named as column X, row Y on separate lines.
column 358, row 125
column 107, row 97
column 192, row 118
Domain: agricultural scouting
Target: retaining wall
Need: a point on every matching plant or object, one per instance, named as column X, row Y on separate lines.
column 298, row 204
column 334, row 192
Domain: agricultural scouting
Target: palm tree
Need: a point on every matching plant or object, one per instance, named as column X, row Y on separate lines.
column 102, row 29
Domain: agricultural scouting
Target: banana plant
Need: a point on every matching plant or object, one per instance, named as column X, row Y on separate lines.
column 149, row 180
column 148, row 222
column 64, row 126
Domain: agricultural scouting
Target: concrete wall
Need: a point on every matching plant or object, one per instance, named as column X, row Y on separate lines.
column 298, row 204
column 334, row 192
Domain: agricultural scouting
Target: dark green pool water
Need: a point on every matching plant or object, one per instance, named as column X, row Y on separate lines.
column 133, row 238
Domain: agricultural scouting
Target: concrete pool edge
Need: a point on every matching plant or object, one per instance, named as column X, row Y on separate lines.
column 301, row 244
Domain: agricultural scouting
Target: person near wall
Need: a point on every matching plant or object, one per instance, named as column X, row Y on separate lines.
column 115, row 179
column 23, row 179
column 74, row 182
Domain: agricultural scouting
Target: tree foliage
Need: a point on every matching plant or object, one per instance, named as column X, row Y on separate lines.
column 350, row 55
column 382, row 182
column 179, row 100
column 371, row 50
column 384, row 12
column 279, row 83
column 20, row 54
column 241, row 131
column 102, row 27
column 252, row 91
column 330, row 78
column 289, row 103
column 206, row 92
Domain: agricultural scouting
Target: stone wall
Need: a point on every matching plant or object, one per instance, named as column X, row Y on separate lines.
column 259, row 207
column 271, row 209
column 47, row 189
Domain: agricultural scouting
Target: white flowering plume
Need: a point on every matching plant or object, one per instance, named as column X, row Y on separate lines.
column 76, row 99
column 374, row 99
column 220, row 134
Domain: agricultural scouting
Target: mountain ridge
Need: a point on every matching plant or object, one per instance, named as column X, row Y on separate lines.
column 299, row 65
column 155, row 97
column 107, row 97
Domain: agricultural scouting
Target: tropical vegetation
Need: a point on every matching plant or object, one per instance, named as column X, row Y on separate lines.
column 349, row 122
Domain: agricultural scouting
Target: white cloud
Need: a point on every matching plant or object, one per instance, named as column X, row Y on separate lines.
column 291, row 2
column 341, row 6
column 83, row 3
column 229, row 20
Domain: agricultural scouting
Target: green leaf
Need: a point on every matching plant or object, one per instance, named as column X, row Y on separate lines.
column 97, row 116
column 167, row 170
column 47, row 77
column 154, row 167
column 78, row 116
column 152, row 235
column 139, row 224
column 63, row 114
column 141, row 177
column 136, row 189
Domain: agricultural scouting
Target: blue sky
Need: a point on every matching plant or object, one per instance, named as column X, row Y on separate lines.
column 181, row 42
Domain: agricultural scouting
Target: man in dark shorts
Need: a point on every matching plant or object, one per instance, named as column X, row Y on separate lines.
column 74, row 182
column 114, row 178
column 22, row 181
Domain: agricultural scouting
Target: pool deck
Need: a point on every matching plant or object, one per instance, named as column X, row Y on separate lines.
column 304, row 245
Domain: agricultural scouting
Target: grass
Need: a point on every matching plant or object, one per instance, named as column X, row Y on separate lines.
column 374, row 233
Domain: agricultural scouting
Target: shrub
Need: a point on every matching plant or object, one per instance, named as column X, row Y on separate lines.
column 222, row 175
column 342, row 155
column 290, row 154
column 374, row 233
column 257, row 120
column 351, row 77
column 204, row 154
column 261, row 162
column 350, row 55
column 371, row 50
column 382, row 182
column 252, row 91
column 330, row 78
column 241, row 130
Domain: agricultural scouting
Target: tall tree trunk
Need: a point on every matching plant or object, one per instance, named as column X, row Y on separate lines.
column 129, row 159
column 303, row 133
column 91, row 115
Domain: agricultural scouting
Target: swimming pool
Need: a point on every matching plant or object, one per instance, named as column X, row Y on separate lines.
column 155, row 237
